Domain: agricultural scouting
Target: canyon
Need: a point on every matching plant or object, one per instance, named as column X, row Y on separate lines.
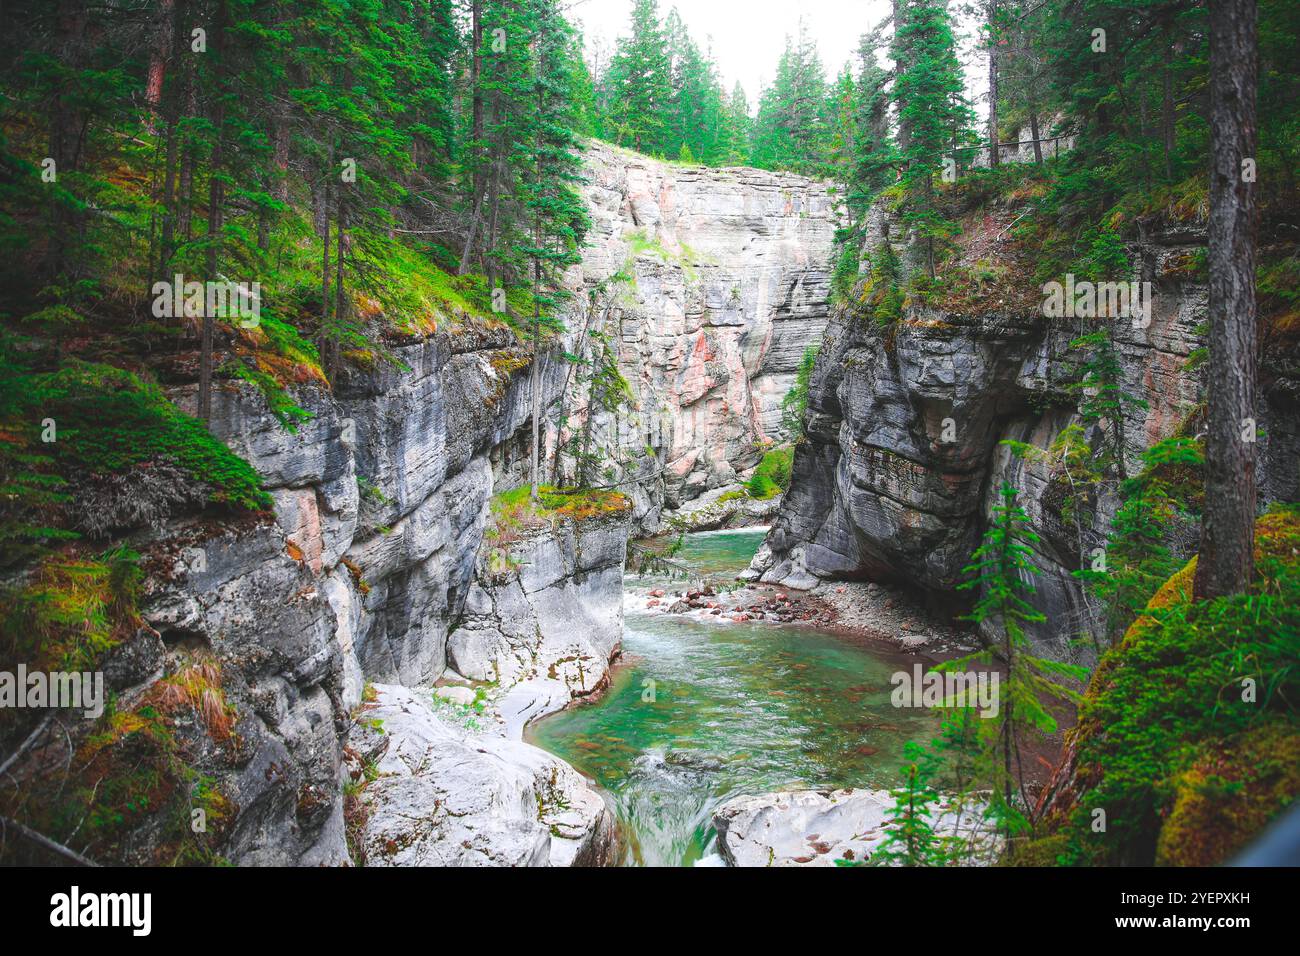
column 383, row 640
column 331, row 623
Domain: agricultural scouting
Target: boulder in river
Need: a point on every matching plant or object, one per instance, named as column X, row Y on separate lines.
column 815, row 828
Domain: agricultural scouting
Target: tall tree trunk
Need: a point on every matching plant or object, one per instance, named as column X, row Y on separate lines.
column 323, row 223
column 537, row 330
column 993, row 84
column 494, row 188
column 1227, row 559
column 476, row 133
column 929, row 240
column 175, row 94
column 1167, row 109
column 70, row 23
column 467, row 253
column 159, row 55
column 1033, row 131
column 216, row 200
column 535, row 383
column 1144, row 135
column 900, row 66
column 185, row 201
column 340, row 294
column 168, row 201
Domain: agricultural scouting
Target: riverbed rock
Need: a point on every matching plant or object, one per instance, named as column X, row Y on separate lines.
column 815, row 828
column 456, row 694
column 720, row 508
column 444, row 795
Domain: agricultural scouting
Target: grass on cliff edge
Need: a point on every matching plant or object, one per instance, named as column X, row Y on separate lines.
column 514, row 512
column 1189, row 735
column 516, row 509
column 771, row 477
column 87, row 427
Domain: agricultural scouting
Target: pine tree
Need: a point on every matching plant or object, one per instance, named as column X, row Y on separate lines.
column 870, row 158
column 795, row 403
column 550, row 167
column 932, row 115
column 910, row 838
column 640, row 82
column 1103, row 399
column 695, row 112
column 1138, row 559
column 792, row 129
column 738, row 129
column 1000, row 567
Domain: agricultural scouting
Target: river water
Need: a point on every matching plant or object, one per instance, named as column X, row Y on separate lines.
column 698, row 712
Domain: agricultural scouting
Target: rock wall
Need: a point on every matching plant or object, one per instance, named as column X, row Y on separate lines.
column 728, row 283
column 902, row 462
column 547, row 606
column 381, row 499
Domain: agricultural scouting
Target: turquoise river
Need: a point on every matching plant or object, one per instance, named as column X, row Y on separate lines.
column 700, row 712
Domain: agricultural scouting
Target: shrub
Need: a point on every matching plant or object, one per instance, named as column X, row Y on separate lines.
column 772, row 475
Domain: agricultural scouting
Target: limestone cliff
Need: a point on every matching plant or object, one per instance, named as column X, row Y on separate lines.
column 903, row 456
column 728, row 274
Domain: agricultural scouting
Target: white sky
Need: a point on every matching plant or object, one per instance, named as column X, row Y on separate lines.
column 747, row 36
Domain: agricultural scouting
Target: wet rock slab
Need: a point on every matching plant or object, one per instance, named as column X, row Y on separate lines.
column 815, row 828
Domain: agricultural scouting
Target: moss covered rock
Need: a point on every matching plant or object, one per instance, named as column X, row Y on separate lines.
column 1188, row 733
column 1229, row 794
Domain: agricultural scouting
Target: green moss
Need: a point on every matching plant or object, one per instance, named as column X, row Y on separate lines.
column 1229, row 794
column 1185, row 716
column 640, row 242
column 772, row 475
column 1044, row 851
column 110, row 421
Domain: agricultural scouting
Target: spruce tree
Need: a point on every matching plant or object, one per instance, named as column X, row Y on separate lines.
column 550, row 170
column 792, row 129
column 738, row 129
column 640, row 82
column 933, row 116
column 1000, row 568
